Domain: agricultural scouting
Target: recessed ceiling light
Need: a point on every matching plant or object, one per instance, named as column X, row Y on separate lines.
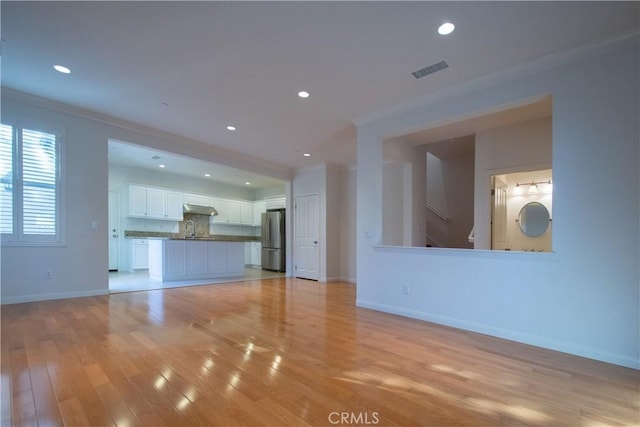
column 161, row 166
column 446, row 28
column 303, row 94
column 247, row 183
column 62, row 69
column 307, row 155
column 231, row 128
column 207, row 175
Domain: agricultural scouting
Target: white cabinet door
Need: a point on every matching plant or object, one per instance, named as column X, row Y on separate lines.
column 276, row 203
column 235, row 212
column 175, row 258
column 258, row 209
column 221, row 206
column 256, row 253
column 173, row 205
column 140, row 254
column 247, row 253
column 155, row 203
column 217, row 257
column 246, row 213
column 137, row 201
column 197, row 258
column 235, row 257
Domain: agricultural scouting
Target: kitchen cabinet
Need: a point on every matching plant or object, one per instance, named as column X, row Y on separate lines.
column 233, row 212
column 137, row 201
column 258, row 208
column 276, row 203
column 139, row 254
column 195, row 259
column 235, row 257
column 247, row 253
column 173, row 209
column 256, row 254
column 222, row 207
column 154, row 203
column 246, row 213
column 217, row 258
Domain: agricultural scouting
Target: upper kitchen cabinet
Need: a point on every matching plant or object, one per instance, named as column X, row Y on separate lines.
column 154, row 203
column 276, row 203
column 222, row 206
column 246, row 213
column 258, row 208
column 236, row 212
column 173, row 205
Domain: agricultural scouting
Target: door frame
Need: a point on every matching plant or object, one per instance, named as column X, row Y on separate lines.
column 295, row 235
column 113, row 221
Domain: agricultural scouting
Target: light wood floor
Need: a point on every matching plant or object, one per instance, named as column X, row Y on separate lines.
column 284, row 352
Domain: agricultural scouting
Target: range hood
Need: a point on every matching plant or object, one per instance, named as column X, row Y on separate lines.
column 200, row 210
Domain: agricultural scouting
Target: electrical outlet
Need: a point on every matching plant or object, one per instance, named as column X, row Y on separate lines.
column 405, row 290
column 48, row 274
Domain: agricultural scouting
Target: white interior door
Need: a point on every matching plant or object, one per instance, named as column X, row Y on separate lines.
column 113, row 231
column 499, row 214
column 307, row 237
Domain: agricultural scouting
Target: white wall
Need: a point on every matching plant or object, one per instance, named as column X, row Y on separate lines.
column 324, row 180
column 81, row 266
column 348, row 225
column 520, row 147
column 582, row 299
column 333, row 176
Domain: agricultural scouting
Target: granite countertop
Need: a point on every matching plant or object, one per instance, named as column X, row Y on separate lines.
column 132, row 234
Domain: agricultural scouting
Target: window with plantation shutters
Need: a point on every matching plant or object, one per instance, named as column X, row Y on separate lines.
column 6, row 179
column 30, row 179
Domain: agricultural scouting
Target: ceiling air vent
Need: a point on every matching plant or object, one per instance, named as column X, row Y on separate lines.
column 430, row 69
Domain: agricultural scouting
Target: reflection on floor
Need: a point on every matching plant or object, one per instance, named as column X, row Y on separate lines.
column 140, row 281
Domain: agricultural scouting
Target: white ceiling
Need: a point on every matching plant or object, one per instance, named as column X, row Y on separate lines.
column 242, row 63
column 136, row 156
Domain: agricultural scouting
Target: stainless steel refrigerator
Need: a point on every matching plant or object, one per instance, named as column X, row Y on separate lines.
column 273, row 240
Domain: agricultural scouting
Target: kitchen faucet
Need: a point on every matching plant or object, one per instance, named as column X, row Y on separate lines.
column 191, row 235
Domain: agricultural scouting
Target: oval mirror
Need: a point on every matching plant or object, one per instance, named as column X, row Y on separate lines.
column 534, row 219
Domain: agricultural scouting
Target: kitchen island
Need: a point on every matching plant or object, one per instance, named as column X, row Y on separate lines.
column 195, row 259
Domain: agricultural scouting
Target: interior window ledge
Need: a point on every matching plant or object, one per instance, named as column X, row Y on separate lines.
column 471, row 253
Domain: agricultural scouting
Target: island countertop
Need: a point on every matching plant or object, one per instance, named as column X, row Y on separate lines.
column 133, row 234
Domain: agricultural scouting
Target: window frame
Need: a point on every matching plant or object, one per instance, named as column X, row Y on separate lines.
column 17, row 237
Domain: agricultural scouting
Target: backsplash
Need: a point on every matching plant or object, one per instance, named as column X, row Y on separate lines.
column 200, row 222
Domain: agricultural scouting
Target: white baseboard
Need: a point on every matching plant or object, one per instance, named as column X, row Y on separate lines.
column 507, row 334
column 45, row 297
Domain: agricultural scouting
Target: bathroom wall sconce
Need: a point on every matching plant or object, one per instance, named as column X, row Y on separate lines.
column 533, row 187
